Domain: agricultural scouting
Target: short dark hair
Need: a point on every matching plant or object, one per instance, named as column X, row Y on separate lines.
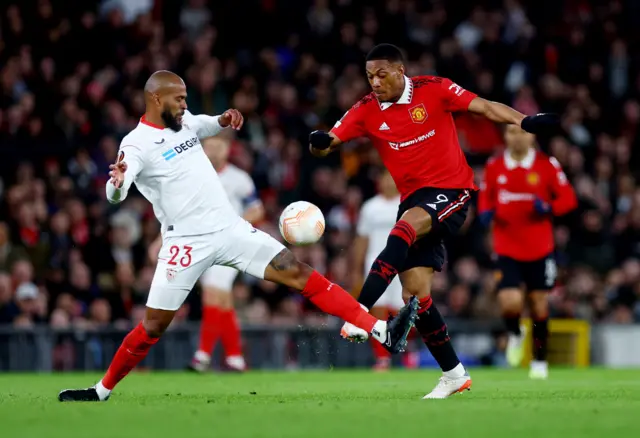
column 388, row 52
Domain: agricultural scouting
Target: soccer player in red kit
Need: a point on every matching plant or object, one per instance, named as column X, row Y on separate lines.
column 409, row 122
column 521, row 191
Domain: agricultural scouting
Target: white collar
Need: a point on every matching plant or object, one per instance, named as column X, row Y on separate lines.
column 525, row 163
column 405, row 98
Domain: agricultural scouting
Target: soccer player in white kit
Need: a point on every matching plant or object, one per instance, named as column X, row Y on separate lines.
column 377, row 219
column 219, row 321
column 165, row 159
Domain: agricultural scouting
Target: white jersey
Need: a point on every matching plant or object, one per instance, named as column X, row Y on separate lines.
column 240, row 188
column 377, row 218
column 172, row 171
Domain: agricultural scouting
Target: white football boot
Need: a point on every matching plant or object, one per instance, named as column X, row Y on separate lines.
column 452, row 382
column 236, row 363
column 539, row 370
column 201, row 362
column 353, row 334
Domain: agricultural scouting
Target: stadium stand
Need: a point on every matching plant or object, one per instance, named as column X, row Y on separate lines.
column 71, row 72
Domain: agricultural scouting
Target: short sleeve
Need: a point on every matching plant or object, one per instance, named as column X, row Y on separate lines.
column 454, row 97
column 351, row 125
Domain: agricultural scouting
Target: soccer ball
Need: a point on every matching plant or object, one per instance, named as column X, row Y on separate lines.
column 301, row 223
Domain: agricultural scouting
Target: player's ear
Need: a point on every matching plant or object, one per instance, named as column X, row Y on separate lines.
column 156, row 98
column 401, row 69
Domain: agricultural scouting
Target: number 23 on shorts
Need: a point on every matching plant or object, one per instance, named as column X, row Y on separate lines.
column 180, row 256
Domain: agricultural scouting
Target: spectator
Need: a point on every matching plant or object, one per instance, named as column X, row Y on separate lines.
column 69, row 258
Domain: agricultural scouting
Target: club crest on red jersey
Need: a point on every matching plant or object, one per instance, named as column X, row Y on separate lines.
column 533, row 178
column 418, row 113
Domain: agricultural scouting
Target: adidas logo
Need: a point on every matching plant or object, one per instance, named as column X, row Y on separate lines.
column 384, row 127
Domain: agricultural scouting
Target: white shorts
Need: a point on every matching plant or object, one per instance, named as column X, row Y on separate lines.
column 392, row 297
column 220, row 277
column 183, row 259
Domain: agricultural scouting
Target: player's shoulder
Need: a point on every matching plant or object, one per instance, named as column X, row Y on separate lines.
column 190, row 120
column 547, row 161
column 497, row 159
column 426, row 81
column 236, row 173
column 188, row 116
column 375, row 205
column 365, row 102
column 370, row 204
column 136, row 140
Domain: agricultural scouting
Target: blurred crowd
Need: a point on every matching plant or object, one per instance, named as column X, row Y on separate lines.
column 71, row 74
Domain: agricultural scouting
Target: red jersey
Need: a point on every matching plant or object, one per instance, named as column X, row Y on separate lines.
column 415, row 136
column 509, row 189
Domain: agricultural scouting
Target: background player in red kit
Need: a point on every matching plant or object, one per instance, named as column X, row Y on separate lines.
column 521, row 192
column 409, row 122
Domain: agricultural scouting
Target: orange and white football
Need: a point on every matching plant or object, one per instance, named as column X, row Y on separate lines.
column 301, row 223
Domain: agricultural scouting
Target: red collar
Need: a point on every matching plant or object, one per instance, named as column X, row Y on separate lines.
column 144, row 121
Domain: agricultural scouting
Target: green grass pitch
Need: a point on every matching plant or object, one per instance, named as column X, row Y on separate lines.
column 349, row 404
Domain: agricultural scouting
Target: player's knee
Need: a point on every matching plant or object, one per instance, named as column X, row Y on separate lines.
column 511, row 301
column 286, row 269
column 154, row 328
column 539, row 304
column 156, row 321
column 224, row 299
column 300, row 274
column 420, row 292
column 209, row 296
column 419, row 219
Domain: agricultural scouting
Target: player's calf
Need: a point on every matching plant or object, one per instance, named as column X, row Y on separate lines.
column 511, row 301
column 414, row 223
column 435, row 335
column 539, row 305
column 132, row 351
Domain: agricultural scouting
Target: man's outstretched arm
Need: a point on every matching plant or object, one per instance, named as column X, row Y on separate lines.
column 501, row 113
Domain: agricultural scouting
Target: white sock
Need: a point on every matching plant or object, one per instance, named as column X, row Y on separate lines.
column 539, row 364
column 103, row 392
column 379, row 331
column 202, row 356
column 456, row 372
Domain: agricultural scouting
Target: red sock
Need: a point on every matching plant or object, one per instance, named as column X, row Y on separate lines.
column 332, row 299
column 134, row 348
column 209, row 328
column 230, row 333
